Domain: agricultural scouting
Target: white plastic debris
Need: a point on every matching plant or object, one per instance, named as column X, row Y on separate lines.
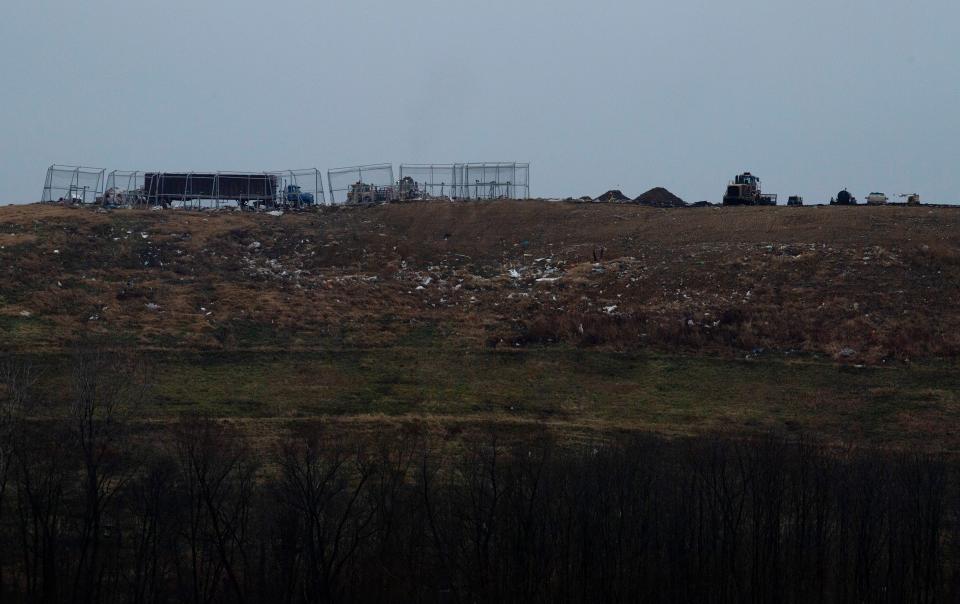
column 26, row 313
column 153, row 306
column 254, row 246
column 275, row 213
column 144, row 235
column 56, row 251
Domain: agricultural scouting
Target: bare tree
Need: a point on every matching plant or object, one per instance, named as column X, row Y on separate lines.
column 106, row 388
column 18, row 380
column 218, row 475
column 328, row 489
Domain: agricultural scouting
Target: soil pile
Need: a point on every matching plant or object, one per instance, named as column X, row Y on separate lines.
column 613, row 195
column 659, row 197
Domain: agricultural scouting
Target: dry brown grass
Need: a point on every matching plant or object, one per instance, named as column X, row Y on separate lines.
column 879, row 281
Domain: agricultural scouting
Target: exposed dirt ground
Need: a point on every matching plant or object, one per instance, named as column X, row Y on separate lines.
column 856, row 284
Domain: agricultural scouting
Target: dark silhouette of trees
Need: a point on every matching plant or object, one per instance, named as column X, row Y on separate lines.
column 96, row 507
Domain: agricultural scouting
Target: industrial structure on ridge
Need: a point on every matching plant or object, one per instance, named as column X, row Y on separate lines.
column 368, row 184
column 287, row 188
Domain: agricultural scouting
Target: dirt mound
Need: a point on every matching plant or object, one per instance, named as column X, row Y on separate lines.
column 613, row 195
column 659, row 197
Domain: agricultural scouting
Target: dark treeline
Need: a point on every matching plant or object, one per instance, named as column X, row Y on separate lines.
column 93, row 510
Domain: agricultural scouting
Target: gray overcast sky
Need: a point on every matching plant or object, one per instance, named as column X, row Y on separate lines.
column 812, row 96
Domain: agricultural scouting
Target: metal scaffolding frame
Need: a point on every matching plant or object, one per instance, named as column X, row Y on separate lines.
column 300, row 188
column 376, row 177
column 277, row 188
column 288, row 188
column 485, row 180
column 125, row 187
column 431, row 180
column 76, row 184
column 492, row 180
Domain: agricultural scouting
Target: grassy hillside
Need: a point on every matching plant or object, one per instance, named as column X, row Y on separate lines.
column 587, row 318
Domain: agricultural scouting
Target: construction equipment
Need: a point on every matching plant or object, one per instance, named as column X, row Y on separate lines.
column 795, row 200
column 296, row 196
column 361, row 192
column 408, row 189
column 116, row 197
column 745, row 190
column 877, row 199
column 844, row 198
column 913, row 199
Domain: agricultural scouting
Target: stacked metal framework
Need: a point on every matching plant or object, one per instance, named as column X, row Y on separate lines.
column 307, row 182
column 487, row 180
column 342, row 180
column 432, row 180
column 75, row 184
column 288, row 188
column 125, row 187
column 493, row 180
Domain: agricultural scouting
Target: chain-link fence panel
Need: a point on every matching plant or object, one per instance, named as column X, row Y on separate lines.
column 362, row 184
column 496, row 180
column 74, row 184
column 300, row 188
column 428, row 180
column 204, row 189
column 279, row 188
column 125, row 188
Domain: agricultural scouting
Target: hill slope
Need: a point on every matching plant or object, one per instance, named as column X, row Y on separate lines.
column 858, row 284
column 584, row 319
